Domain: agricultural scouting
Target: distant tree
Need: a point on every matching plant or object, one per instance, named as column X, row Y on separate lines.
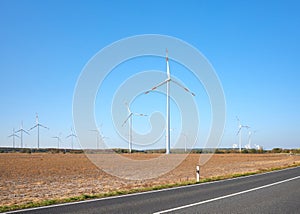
column 276, row 150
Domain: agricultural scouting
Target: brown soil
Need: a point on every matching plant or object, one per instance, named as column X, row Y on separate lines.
column 34, row 177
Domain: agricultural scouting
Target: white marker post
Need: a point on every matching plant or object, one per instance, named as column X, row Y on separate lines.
column 197, row 173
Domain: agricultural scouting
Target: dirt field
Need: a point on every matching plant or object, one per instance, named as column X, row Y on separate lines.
column 34, row 177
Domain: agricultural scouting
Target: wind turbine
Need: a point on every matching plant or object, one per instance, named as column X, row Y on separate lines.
column 72, row 135
column 13, row 135
column 58, row 139
column 167, row 81
column 97, row 137
column 21, row 130
column 185, row 141
column 129, row 119
column 38, row 125
column 240, row 127
column 185, row 138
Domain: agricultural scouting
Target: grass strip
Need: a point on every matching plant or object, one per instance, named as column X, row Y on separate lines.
column 135, row 190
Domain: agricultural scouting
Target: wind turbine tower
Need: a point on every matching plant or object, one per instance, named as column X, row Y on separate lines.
column 21, row 130
column 167, row 82
column 13, row 135
column 240, row 127
column 129, row 119
column 38, row 125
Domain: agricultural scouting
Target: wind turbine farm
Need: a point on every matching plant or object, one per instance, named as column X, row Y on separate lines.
column 211, row 117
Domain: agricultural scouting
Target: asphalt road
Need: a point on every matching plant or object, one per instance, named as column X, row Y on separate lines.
column 275, row 192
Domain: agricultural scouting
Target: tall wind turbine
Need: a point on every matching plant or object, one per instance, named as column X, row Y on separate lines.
column 240, row 127
column 167, row 82
column 13, row 135
column 129, row 119
column 72, row 135
column 38, row 125
column 21, row 130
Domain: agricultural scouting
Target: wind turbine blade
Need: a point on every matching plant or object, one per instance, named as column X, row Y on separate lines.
column 22, row 130
column 186, row 89
column 168, row 67
column 239, row 122
column 158, row 85
column 127, row 119
column 238, row 131
column 128, row 109
column 142, row 115
column 13, row 135
column 33, row 127
column 43, row 126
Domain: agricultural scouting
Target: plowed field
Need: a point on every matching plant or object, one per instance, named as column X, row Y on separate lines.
column 34, row 177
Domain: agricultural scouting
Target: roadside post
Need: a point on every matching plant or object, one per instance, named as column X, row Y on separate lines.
column 197, row 173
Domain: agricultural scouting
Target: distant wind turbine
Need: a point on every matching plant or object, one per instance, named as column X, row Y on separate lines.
column 21, row 130
column 185, row 138
column 167, row 81
column 185, row 141
column 129, row 119
column 98, row 136
column 13, row 135
column 38, row 125
column 240, row 127
column 72, row 135
column 58, row 140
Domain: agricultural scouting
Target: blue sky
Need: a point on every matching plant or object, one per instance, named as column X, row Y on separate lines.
column 253, row 46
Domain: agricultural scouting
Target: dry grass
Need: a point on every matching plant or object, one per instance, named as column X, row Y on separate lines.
column 36, row 177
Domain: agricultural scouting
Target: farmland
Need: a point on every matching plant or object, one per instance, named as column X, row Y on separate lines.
column 42, row 176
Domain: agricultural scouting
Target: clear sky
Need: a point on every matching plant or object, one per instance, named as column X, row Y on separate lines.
column 253, row 46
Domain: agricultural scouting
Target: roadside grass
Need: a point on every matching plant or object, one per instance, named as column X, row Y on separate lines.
column 135, row 190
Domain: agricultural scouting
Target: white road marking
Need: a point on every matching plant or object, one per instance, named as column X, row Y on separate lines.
column 226, row 196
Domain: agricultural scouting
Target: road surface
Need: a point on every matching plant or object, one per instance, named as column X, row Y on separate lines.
column 275, row 192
